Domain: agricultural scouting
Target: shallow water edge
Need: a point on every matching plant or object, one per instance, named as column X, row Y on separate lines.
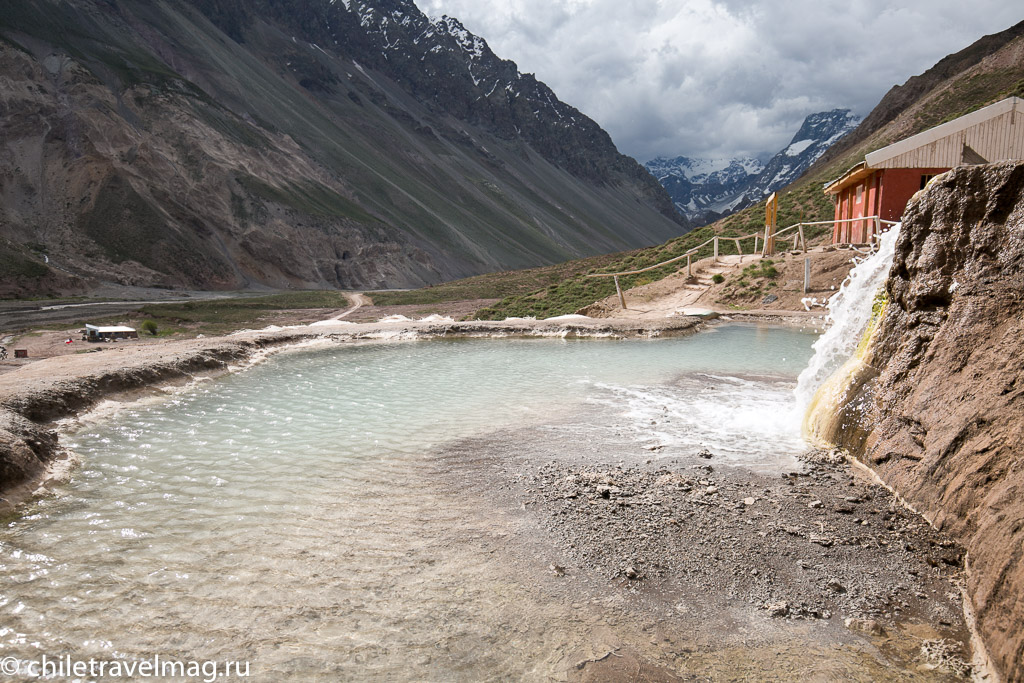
column 35, row 398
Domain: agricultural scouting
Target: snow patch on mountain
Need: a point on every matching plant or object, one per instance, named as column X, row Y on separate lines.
column 797, row 148
column 706, row 189
column 471, row 44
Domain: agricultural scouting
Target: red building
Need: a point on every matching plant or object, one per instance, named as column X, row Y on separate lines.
column 879, row 187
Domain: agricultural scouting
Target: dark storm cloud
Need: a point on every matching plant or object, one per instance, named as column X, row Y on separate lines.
column 722, row 77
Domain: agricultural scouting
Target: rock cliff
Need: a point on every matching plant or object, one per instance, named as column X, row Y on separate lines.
column 940, row 413
column 218, row 144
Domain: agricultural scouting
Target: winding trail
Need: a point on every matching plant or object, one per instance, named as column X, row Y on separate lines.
column 675, row 294
column 358, row 300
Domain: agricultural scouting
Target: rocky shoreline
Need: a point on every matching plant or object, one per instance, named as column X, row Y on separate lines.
column 936, row 409
column 726, row 566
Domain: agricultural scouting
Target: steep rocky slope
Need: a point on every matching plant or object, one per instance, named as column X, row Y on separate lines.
column 939, row 410
column 291, row 143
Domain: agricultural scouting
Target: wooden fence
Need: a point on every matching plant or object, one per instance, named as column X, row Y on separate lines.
column 767, row 239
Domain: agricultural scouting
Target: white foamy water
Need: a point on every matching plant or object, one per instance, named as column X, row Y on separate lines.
column 849, row 312
column 747, row 421
column 290, row 515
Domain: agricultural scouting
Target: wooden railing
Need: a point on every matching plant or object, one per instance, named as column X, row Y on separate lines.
column 689, row 261
column 878, row 223
column 767, row 247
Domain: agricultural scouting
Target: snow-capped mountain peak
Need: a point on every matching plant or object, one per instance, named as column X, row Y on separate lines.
column 471, row 44
column 706, row 189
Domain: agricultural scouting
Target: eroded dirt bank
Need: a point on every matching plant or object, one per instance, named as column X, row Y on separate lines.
column 942, row 418
column 40, row 392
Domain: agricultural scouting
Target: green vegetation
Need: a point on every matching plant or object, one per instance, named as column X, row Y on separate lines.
column 494, row 285
column 765, row 268
column 970, row 94
column 230, row 126
column 751, row 284
column 134, row 67
column 149, row 326
column 802, row 202
column 125, row 225
column 310, row 198
column 16, row 262
column 218, row 316
column 576, row 291
column 718, row 278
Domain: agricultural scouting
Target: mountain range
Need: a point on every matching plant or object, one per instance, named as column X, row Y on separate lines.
column 705, row 190
column 223, row 144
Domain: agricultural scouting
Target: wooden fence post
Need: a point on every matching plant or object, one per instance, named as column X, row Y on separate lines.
column 622, row 299
column 689, row 269
column 770, row 221
column 716, row 250
column 803, row 238
column 807, row 273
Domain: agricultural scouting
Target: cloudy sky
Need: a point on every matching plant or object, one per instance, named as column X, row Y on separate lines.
column 722, row 78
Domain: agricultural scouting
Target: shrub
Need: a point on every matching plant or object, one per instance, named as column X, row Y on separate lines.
column 149, row 326
column 718, row 278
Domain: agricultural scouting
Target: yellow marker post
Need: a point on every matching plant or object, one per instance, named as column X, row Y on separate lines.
column 771, row 216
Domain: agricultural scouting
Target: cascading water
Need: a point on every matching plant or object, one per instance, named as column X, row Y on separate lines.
column 849, row 314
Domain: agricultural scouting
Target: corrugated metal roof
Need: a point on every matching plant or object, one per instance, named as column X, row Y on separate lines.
column 993, row 133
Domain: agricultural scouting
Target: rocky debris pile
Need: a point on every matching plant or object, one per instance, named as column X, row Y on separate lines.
column 711, row 552
column 806, row 545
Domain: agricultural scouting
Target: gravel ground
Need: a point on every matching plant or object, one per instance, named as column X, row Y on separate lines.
column 719, row 572
column 811, row 544
column 774, row 570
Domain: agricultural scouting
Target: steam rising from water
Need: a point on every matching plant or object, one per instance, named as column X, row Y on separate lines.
column 849, row 312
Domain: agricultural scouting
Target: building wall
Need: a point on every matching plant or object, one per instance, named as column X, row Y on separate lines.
column 898, row 186
column 855, row 201
column 993, row 134
column 884, row 193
